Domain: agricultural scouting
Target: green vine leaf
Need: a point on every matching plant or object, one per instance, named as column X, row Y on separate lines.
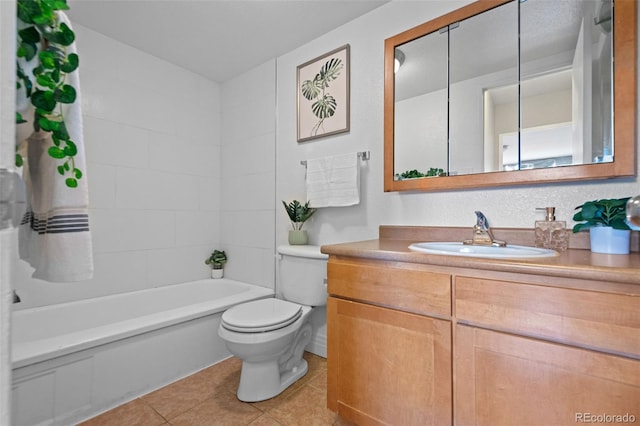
column 47, row 59
column 71, row 64
column 46, row 80
column 56, row 152
column 48, row 125
column 61, row 132
column 53, row 64
column 64, row 36
column 65, row 94
column 29, row 35
column 43, row 100
column 71, row 149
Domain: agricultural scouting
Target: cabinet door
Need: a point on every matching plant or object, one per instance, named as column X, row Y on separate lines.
column 503, row 379
column 386, row 366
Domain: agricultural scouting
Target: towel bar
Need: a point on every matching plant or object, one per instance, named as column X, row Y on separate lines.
column 362, row 155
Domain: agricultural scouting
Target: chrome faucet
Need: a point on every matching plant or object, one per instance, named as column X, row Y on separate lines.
column 482, row 235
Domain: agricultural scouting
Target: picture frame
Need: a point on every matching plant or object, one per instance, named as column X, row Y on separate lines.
column 323, row 98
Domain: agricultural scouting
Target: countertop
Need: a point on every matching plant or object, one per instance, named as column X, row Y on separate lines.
column 578, row 263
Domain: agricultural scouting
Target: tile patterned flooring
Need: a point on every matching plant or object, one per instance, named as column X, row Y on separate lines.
column 209, row 398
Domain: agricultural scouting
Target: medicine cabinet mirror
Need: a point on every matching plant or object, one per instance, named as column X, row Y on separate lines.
column 508, row 92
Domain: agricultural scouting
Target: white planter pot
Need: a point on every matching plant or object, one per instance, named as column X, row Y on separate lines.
column 217, row 273
column 605, row 239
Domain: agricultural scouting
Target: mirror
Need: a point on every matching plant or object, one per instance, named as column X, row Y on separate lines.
column 497, row 93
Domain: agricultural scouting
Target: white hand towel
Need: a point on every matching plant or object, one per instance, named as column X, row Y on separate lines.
column 54, row 235
column 333, row 181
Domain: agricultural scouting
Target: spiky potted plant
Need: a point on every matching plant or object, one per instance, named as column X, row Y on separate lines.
column 298, row 214
column 216, row 260
column 606, row 222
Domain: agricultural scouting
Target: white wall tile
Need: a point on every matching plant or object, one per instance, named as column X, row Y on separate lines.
column 248, row 175
column 176, row 265
column 209, row 192
column 152, row 135
column 109, row 142
column 197, row 228
column 102, row 185
column 250, row 264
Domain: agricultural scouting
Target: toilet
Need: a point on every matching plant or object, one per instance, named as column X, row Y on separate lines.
column 269, row 335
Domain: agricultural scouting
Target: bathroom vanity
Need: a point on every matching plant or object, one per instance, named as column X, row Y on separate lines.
column 418, row 339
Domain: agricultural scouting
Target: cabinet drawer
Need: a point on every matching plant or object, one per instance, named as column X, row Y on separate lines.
column 593, row 319
column 392, row 285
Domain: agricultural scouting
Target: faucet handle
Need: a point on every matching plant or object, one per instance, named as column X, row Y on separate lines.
column 482, row 223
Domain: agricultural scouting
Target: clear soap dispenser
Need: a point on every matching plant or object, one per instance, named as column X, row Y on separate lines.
column 551, row 233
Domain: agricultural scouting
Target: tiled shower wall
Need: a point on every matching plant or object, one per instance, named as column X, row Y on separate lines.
column 248, row 175
column 152, row 138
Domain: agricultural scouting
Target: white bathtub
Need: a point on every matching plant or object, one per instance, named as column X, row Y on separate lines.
column 77, row 359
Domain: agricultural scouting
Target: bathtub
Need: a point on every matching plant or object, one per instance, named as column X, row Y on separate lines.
column 74, row 360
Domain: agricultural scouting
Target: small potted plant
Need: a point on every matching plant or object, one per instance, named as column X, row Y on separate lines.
column 216, row 260
column 606, row 222
column 298, row 214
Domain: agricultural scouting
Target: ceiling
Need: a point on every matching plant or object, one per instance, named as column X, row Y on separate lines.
column 218, row 39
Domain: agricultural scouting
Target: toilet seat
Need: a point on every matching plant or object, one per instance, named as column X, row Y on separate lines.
column 261, row 316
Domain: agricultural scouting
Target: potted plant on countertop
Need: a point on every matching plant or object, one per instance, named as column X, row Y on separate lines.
column 216, row 260
column 606, row 222
column 298, row 214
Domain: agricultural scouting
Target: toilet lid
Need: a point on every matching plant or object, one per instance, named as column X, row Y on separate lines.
column 261, row 315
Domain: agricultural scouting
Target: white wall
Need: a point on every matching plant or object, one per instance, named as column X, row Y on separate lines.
column 248, row 175
column 505, row 207
column 152, row 138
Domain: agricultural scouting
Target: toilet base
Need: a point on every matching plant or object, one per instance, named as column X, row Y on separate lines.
column 260, row 381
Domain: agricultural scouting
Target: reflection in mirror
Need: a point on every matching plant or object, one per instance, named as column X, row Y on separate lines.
column 570, row 51
column 421, row 106
column 529, row 85
column 480, row 58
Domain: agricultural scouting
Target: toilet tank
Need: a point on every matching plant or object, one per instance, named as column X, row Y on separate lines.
column 303, row 272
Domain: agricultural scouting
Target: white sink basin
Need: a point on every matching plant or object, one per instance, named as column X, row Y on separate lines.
column 459, row 249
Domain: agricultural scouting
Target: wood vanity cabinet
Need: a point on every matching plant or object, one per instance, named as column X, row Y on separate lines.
column 543, row 355
column 389, row 344
column 414, row 344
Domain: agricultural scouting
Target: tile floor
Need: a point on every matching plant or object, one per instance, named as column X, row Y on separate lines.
column 208, row 398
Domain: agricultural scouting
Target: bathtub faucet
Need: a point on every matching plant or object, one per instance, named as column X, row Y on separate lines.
column 16, row 298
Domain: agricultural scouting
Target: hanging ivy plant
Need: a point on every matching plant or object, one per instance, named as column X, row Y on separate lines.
column 45, row 39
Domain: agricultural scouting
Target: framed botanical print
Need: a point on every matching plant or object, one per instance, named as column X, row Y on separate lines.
column 323, row 95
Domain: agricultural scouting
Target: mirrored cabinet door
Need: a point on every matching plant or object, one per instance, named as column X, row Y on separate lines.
column 421, row 105
column 512, row 92
column 483, row 55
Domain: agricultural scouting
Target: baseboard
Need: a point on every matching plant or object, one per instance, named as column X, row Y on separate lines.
column 318, row 345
